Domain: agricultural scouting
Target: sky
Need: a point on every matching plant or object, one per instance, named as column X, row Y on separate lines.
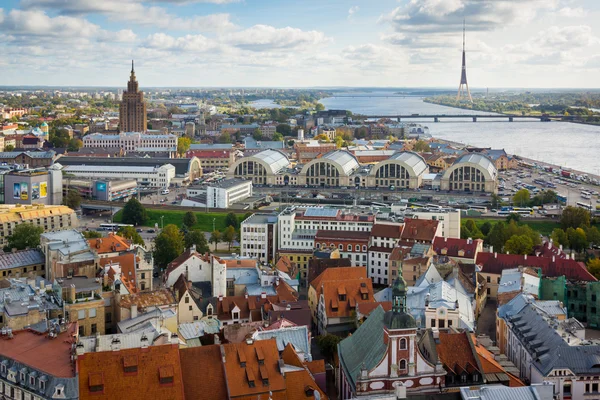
column 300, row 43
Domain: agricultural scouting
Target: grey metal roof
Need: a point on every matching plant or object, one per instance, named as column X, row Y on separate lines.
column 182, row 165
column 365, row 347
column 211, row 146
column 346, row 160
column 413, row 162
column 196, row 329
column 21, row 258
column 297, row 336
column 479, row 159
column 275, row 159
column 513, row 280
column 501, row 392
column 90, row 344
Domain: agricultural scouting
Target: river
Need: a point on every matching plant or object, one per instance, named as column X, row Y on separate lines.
column 565, row 144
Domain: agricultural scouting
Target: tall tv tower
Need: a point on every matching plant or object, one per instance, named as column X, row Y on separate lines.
column 463, row 87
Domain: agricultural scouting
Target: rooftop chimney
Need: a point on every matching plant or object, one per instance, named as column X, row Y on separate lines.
column 495, row 255
column 263, row 295
column 553, row 258
column 525, row 257
column 134, row 311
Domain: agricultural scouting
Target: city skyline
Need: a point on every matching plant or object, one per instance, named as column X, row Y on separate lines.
column 229, row 43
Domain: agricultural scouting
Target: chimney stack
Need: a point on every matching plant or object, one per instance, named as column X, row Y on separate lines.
column 134, row 311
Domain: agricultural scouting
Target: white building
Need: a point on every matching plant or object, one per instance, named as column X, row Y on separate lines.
column 449, row 218
column 198, row 268
column 384, row 237
column 221, row 194
column 159, row 177
column 297, row 228
column 258, row 237
column 133, row 141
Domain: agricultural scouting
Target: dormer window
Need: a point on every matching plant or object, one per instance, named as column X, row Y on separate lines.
column 59, row 392
column 236, row 315
column 43, row 383
column 22, row 374
column 3, row 367
column 342, row 297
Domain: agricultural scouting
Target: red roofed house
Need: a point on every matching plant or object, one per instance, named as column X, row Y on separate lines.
column 457, row 354
column 421, row 230
column 465, row 250
column 351, row 244
column 109, row 246
column 492, row 265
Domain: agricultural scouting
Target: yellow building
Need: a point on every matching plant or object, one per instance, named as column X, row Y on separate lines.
column 50, row 218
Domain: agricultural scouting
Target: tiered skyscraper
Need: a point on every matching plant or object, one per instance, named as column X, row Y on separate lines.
column 132, row 111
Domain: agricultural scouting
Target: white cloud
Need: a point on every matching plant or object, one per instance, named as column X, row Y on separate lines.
column 135, row 12
column 353, row 10
column 191, row 43
column 568, row 12
column 265, row 38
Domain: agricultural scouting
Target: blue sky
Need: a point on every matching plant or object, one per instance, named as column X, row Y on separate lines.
column 285, row 43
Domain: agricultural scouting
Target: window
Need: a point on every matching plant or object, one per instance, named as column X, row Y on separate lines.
column 187, row 299
column 108, row 318
column 449, row 322
column 92, row 313
column 488, row 292
column 567, row 389
column 402, row 364
column 463, row 378
column 81, row 314
column 498, row 280
column 402, row 344
column 94, row 329
column 42, row 384
column 433, row 322
column 595, row 387
column 488, row 279
column 143, row 275
column 190, row 309
column 593, row 297
column 475, row 378
column 442, row 323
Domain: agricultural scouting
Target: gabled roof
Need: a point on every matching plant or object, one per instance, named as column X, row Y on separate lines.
column 453, row 245
column 387, row 231
column 127, row 263
column 296, row 336
column 143, row 300
column 457, row 353
column 364, row 347
column 106, row 369
column 422, row 230
column 300, row 380
column 202, row 371
column 21, row 258
column 109, row 244
column 491, row 366
column 181, row 259
column 284, row 264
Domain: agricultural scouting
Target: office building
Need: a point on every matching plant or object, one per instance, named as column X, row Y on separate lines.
column 32, row 186
column 154, row 177
column 132, row 110
column 258, row 237
column 221, row 194
column 133, row 142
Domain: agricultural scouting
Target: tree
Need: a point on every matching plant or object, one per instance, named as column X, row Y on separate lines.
column 496, row 237
column 422, row 146
column 183, row 145
column 257, row 135
column 72, row 199
column 521, row 198
column 284, row 129
column 471, row 230
column 130, row 233
column 559, row 237
column 323, row 138
column 486, row 227
column 215, row 237
column 224, row 138
column 9, row 147
column 91, row 234
column 232, row 220
column 291, row 142
column 521, row 244
column 593, row 235
column 593, row 266
column 229, row 235
column 24, row 236
column 495, row 201
column 319, row 107
column 574, row 217
column 75, row 144
column 339, row 142
column 577, row 239
column 134, row 213
column 513, row 217
column 168, row 245
column 277, row 137
column 328, row 345
column 197, row 238
column 189, row 219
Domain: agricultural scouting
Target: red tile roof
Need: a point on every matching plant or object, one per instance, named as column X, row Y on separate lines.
column 284, row 264
column 387, row 231
column 109, row 244
column 491, row 366
column 52, row 356
column 202, row 371
column 453, row 246
column 348, row 283
column 494, row 263
column 548, row 249
column 154, row 364
column 127, row 262
column 457, row 353
column 421, row 230
column 299, row 382
column 341, row 235
column 366, row 308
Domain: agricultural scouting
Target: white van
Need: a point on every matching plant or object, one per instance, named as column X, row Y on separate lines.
column 165, row 191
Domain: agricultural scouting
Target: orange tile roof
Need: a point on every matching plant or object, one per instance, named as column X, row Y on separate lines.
column 351, row 279
column 316, row 366
column 109, row 244
column 52, row 356
column 386, row 230
column 143, row 300
column 242, row 364
column 299, row 382
column 154, row 363
column 284, row 264
column 491, row 366
column 203, row 375
column 456, row 353
column 366, row 308
column 422, row 230
column 239, row 262
column 127, row 262
column 338, row 274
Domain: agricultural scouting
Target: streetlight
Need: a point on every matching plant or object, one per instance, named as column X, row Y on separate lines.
column 161, row 222
column 214, row 220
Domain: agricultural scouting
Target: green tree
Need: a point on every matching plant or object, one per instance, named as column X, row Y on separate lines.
column 130, row 233
column 232, row 220
column 497, row 236
column 229, row 235
column 72, row 199
column 593, row 235
column 513, row 217
column 574, row 217
column 422, row 146
column 224, row 138
column 183, row 145
column 189, row 219
column 284, row 129
column 521, row 198
column 291, row 142
column 168, row 245
column 257, row 135
column 197, row 238
column 134, row 213
column 215, row 237
column 75, row 144
column 473, row 230
column 91, row 234
column 9, row 147
column 328, row 345
column 319, row 107
column 339, row 142
column 559, row 237
column 24, row 236
column 520, row 244
column 593, row 266
column 577, row 239
column 277, row 137
column 495, row 201
column 486, row 227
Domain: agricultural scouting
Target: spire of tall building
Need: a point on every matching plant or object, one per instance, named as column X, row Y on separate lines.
column 463, row 87
column 132, row 111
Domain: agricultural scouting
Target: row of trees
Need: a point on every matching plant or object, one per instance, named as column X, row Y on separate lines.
column 510, row 236
column 523, row 198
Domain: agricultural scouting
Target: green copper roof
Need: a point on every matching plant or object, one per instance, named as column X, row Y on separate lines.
column 365, row 346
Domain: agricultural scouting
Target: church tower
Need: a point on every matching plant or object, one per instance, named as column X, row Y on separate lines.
column 132, row 111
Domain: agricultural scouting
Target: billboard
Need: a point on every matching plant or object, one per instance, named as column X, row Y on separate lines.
column 43, row 190
column 35, row 190
column 16, row 191
column 24, row 191
column 101, row 186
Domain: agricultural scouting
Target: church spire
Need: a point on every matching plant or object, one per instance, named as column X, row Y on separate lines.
column 133, row 71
